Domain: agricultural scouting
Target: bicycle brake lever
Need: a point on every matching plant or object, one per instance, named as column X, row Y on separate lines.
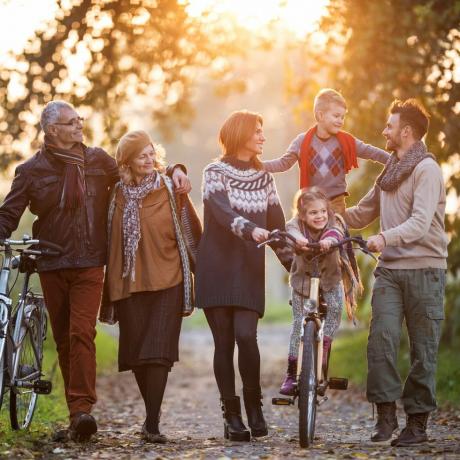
column 369, row 253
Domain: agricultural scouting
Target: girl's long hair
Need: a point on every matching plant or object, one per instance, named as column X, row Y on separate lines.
column 304, row 196
column 237, row 129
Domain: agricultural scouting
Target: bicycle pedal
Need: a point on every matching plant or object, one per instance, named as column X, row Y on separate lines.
column 43, row 387
column 282, row 401
column 336, row 383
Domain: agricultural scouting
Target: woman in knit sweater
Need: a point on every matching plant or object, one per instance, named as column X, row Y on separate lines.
column 241, row 206
column 148, row 277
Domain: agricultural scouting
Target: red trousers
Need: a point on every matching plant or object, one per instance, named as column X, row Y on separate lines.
column 72, row 298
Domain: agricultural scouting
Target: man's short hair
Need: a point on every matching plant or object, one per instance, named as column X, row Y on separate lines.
column 412, row 113
column 52, row 112
column 326, row 97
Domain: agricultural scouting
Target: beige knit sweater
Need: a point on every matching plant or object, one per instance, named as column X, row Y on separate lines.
column 411, row 219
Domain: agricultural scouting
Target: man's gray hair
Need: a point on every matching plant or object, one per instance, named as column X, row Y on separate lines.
column 52, row 112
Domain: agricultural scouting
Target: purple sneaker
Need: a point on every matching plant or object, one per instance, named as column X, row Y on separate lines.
column 289, row 384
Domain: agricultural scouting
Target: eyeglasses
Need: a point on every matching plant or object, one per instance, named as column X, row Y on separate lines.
column 73, row 122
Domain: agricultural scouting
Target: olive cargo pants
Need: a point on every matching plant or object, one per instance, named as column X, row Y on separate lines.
column 416, row 295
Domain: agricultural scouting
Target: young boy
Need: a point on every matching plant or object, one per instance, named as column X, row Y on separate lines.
column 325, row 153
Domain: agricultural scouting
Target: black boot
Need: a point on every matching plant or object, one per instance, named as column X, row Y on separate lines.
column 414, row 432
column 253, row 406
column 234, row 428
column 387, row 422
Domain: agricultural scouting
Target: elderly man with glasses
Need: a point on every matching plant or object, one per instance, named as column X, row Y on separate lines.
column 67, row 185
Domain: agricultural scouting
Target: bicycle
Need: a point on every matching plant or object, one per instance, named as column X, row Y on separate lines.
column 23, row 328
column 312, row 378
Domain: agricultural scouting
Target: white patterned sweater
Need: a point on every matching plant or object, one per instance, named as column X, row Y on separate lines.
column 230, row 269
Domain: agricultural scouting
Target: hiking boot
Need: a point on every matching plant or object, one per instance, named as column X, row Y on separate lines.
column 289, row 384
column 253, row 405
column 234, row 428
column 82, row 427
column 387, row 422
column 414, row 432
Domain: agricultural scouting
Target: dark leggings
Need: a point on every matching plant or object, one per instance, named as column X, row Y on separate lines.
column 151, row 380
column 229, row 325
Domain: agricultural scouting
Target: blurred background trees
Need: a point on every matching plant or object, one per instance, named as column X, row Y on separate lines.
column 103, row 56
column 151, row 64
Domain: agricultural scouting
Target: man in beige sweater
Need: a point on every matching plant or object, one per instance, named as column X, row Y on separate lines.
column 409, row 197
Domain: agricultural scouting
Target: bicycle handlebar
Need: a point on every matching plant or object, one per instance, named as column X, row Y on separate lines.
column 277, row 235
column 49, row 249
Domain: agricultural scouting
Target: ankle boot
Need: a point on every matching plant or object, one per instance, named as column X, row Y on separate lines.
column 327, row 343
column 414, row 432
column 288, row 386
column 234, row 428
column 253, row 406
column 387, row 422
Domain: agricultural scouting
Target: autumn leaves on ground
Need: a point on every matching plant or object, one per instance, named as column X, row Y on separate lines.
column 192, row 420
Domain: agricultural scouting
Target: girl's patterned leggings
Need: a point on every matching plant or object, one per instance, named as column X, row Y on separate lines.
column 334, row 299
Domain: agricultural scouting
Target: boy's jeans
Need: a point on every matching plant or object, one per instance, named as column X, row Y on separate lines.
column 416, row 295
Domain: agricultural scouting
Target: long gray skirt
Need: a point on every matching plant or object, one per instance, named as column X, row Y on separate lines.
column 150, row 324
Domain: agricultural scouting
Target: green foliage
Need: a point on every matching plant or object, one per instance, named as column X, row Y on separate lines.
column 107, row 56
column 378, row 51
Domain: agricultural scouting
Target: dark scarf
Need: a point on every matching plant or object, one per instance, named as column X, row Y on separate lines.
column 397, row 171
column 73, row 189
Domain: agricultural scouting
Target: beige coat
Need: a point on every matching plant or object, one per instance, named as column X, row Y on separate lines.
column 411, row 219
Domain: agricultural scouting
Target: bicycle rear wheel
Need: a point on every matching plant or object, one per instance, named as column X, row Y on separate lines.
column 308, row 386
column 26, row 365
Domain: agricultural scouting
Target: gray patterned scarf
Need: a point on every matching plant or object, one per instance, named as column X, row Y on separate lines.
column 133, row 195
column 396, row 171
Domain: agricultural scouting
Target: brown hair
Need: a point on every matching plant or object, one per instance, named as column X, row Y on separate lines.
column 411, row 113
column 328, row 96
column 236, row 131
column 304, row 196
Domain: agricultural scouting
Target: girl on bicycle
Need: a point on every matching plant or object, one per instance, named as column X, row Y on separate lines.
column 314, row 221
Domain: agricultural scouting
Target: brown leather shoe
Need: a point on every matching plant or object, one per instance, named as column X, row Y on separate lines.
column 82, row 427
column 387, row 422
column 414, row 432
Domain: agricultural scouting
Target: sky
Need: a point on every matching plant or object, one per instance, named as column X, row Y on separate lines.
column 19, row 18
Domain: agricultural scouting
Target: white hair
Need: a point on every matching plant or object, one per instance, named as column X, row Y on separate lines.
column 52, row 112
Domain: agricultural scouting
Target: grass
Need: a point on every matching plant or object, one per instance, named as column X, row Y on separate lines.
column 348, row 360
column 51, row 409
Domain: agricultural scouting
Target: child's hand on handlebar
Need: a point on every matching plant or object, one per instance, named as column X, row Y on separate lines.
column 325, row 244
column 259, row 235
column 302, row 243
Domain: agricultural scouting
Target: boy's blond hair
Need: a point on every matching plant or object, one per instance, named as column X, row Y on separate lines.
column 326, row 97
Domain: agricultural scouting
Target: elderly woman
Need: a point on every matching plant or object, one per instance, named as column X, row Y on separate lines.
column 149, row 281
column 241, row 205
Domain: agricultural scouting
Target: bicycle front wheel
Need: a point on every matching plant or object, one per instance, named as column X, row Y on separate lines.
column 27, row 361
column 3, row 357
column 2, row 368
column 308, row 382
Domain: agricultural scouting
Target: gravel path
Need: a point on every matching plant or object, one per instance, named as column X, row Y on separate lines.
column 193, row 422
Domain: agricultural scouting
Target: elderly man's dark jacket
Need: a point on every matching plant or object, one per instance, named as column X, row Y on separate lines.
column 82, row 232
